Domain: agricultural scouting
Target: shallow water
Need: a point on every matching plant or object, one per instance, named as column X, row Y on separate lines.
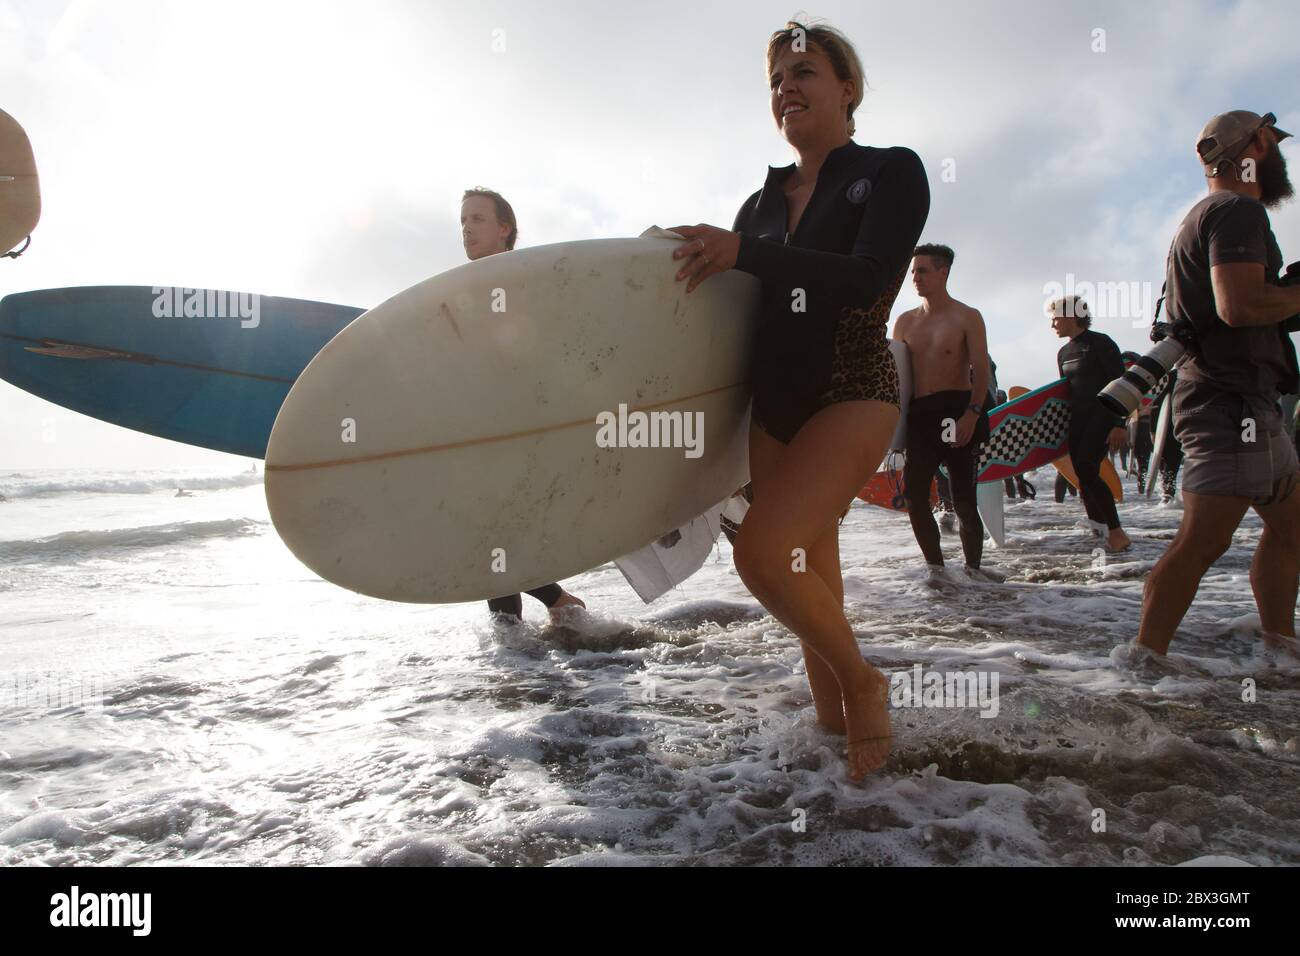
column 252, row 713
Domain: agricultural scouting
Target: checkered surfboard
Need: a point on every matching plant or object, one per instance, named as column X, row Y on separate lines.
column 1026, row 433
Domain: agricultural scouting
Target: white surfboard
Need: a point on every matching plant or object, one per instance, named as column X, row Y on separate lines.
column 1163, row 426
column 990, row 500
column 446, row 445
column 903, row 361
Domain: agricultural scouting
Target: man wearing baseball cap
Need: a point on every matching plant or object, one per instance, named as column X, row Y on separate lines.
column 1224, row 305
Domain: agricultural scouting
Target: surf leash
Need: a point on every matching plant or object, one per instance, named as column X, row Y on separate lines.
column 899, row 501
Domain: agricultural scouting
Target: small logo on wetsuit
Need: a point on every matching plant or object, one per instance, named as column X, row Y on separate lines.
column 859, row 191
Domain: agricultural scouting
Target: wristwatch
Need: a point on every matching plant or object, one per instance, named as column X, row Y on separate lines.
column 975, row 408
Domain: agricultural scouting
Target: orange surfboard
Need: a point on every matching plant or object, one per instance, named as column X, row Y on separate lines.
column 884, row 489
column 1066, row 467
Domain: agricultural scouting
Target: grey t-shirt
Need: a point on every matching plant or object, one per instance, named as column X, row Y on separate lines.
column 1226, row 227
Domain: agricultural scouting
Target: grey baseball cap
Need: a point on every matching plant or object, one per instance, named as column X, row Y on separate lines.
column 1223, row 134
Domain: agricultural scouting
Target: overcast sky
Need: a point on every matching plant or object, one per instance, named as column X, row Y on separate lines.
column 319, row 149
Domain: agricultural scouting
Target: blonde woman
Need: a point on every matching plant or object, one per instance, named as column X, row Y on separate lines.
column 831, row 237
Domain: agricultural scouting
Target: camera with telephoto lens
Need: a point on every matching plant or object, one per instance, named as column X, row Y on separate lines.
column 1123, row 395
column 1173, row 340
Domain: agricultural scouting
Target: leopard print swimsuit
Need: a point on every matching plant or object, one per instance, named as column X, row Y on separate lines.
column 829, row 287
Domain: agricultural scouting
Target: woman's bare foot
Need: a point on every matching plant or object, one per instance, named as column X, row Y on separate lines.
column 866, row 712
column 1283, row 643
column 833, row 723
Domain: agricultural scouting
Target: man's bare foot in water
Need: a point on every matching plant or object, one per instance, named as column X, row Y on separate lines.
column 936, row 576
column 987, row 575
column 560, row 609
column 1118, row 540
column 866, row 713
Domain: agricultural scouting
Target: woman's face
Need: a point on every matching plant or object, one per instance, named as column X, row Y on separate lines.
column 808, row 102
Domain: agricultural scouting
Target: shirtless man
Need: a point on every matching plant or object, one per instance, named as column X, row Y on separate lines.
column 948, row 415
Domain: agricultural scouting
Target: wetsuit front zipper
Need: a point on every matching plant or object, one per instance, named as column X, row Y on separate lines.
column 785, row 203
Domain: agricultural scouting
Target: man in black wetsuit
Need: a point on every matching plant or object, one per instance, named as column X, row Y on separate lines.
column 1090, row 362
column 947, row 418
column 488, row 226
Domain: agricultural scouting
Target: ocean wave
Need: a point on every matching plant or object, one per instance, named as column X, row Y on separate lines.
column 30, row 486
column 74, row 546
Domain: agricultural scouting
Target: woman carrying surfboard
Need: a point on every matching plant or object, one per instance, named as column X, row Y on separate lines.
column 830, row 236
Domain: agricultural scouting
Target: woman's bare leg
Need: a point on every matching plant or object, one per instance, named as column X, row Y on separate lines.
column 799, row 495
column 824, row 559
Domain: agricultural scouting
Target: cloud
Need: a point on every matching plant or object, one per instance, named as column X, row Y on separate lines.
column 318, row 151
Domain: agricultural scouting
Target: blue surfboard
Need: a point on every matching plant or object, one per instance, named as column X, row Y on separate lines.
column 200, row 366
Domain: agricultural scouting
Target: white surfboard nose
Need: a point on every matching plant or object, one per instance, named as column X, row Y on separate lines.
column 515, row 420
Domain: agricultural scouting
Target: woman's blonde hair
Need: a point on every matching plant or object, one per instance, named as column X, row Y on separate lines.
column 836, row 46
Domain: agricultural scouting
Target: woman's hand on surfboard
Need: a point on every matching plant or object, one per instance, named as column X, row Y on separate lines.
column 708, row 250
column 1118, row 438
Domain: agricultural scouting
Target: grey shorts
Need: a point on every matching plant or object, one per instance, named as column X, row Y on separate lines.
column 1223, row 453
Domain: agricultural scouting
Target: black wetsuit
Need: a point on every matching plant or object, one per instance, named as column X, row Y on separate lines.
column 1063, row 487
column 1091, row 361
column 929, row 418
column 1142, row 447
column 1171, row 456
column 829, row 286
column 1027, row 491
column 513, row 604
